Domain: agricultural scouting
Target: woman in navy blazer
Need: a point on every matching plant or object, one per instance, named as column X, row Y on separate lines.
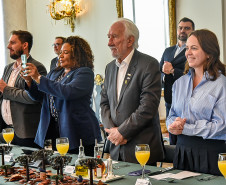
column 66, row 94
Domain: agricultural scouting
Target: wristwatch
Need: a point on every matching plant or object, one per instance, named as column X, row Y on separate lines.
column 172, row 71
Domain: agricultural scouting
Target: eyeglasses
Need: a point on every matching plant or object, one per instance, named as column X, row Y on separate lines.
column 56, row 45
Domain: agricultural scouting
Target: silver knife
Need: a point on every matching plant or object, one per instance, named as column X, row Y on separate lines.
column 161, row 171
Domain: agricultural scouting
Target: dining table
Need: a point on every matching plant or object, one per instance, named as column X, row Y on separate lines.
column 122, row 169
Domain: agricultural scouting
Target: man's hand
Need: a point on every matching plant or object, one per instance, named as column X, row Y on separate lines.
column 177, row 126
column 115, row 137
column 2, row 85
column 167, row 67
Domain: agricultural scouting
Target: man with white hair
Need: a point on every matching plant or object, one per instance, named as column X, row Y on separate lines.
column 130, row 96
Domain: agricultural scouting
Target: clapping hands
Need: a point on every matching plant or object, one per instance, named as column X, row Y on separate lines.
column 177, row 126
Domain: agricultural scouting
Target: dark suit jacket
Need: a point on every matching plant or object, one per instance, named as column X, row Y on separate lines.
column 54, row 62
column 178, row 64
column 136, row 113
column 25, row 111
column 72, row 97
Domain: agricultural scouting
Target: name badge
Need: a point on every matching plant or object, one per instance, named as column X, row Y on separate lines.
column 8, row 158
column 69, row 169
column 36, row 164
column 143, row 182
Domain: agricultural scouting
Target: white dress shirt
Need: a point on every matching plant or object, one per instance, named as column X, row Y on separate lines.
column 179, row 49
column 123, row 66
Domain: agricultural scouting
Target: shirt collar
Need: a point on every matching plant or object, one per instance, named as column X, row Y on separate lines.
column 206, row 75
column 182, row 47
column 126, row 60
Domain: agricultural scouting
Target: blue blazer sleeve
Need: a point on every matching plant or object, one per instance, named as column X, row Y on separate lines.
column 74, row 85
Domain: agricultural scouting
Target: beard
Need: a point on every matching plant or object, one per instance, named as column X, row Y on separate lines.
column 182, row 38
column 17, row 54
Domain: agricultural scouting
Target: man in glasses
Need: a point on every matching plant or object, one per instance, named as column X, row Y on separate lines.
column 173, row 62
column 57, row 47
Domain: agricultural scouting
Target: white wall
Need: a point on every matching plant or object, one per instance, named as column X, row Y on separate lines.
column 92, row 26
column 206, row 14
column 14, row 18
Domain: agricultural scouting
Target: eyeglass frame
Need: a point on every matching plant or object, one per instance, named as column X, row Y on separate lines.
column 56, row 45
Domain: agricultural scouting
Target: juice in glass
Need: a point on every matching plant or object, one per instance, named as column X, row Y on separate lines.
column 222, row 167
column 8, row 137
column 142, row 157
column 62, row 148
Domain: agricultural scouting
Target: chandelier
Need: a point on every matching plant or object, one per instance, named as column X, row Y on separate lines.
column 65, row 9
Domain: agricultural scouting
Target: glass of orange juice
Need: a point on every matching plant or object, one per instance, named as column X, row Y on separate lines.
column 8, row 135
column 222, row 163
column 142, row 153
column 62, row 145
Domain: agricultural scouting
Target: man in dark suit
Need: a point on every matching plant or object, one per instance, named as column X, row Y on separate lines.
column 130, row 96
column 57, row 47
column 18, row 110
column 172, row 64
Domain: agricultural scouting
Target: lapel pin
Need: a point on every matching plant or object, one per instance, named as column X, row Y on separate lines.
column 125, row 81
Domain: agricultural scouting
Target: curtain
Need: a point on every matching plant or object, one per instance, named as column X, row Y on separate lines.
column 172, row 22
column 119, row 8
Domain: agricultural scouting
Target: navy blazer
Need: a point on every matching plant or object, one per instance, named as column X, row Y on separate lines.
column 178, row 64
column 53, row 64
column 72, row 97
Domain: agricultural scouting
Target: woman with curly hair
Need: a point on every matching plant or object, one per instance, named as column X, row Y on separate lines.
column 66, row 93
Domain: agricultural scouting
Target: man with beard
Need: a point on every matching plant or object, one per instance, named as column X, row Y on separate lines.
column 173, row 62
column 130, row 96
column 57, row 47
column 18, row 110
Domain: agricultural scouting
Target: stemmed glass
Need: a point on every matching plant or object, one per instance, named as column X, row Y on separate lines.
column 222, row 164
column 142, row 153
column 62, row 145
column 8, row 135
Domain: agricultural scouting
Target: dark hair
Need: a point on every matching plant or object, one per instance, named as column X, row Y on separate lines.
column 209, row 44
column 185, row 19
column 81, row 52
column 62, row 38
column 24, row 36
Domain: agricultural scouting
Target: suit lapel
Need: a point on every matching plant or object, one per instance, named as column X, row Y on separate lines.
column 8, row 74
column 114, row 82
column 129, row 74
column 67, row 76
column 175, row 61
column 54, row 74
column 171, row 58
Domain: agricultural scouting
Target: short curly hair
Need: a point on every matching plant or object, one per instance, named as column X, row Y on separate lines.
column 81, row 52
